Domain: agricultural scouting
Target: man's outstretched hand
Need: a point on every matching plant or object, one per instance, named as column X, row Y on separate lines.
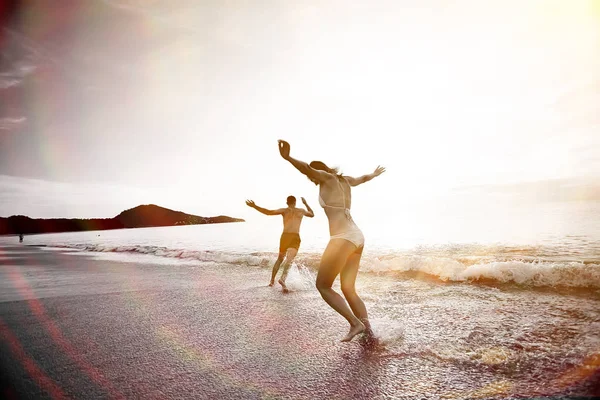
column 250, row 203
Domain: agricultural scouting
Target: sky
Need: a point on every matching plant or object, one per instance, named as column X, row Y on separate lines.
column 105, row 105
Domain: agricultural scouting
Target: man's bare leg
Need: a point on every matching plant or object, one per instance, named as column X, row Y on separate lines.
column 276, row 268
column 289, row 257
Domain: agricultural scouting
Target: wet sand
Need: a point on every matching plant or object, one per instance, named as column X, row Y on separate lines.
column 73, row 326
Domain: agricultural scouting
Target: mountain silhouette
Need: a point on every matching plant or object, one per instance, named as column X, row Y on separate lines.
column 142, row 216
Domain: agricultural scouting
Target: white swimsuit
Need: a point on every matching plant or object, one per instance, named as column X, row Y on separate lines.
column 352, row 234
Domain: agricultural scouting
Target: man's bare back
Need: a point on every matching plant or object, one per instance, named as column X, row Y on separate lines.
column 292, row 218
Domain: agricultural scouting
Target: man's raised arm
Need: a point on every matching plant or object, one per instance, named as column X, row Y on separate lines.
column 251, row 203
column 309, row 213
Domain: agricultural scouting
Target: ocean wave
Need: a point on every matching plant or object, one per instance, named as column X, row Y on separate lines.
column 254, row 259
column 522, row 272
column 526, row 272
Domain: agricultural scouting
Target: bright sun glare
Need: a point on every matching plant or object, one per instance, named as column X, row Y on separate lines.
column 443, row 97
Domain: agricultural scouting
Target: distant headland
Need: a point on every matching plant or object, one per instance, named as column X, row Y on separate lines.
column 143, row 216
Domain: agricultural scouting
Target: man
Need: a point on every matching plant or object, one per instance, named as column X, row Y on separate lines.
column 290, row 238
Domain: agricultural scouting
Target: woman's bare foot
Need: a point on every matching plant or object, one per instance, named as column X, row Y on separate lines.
column 355, row 329
column 271, row 283
column 282, row 283
column 368, row 339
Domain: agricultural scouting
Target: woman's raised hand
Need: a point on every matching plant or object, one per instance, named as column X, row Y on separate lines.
column 379, row 170
column 284, row 149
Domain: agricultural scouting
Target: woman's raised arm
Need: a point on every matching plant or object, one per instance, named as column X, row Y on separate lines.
column 313, row 174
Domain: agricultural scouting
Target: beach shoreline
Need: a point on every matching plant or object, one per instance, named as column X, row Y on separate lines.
column 80, row 327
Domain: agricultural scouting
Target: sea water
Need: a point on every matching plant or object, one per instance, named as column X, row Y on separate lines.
column 514, row 293
column 548, row 245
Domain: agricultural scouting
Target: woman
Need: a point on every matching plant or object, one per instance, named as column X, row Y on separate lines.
column 345, row 247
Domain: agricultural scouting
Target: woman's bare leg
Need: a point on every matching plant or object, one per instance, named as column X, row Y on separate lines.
column 333, row 260
column 348, row 283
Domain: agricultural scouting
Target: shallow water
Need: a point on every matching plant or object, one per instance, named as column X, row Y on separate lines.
column 523, row 316
column 451, row 339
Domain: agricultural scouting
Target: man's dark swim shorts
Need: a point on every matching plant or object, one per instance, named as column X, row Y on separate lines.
column 289, row 241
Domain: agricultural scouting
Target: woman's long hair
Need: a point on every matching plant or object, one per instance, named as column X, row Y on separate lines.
column 321, row 166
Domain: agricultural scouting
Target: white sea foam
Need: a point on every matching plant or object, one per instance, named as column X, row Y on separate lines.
column 522, row 272
column 533, row 273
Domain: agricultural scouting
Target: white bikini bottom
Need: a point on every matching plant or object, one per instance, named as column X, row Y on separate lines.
column 352, row 234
